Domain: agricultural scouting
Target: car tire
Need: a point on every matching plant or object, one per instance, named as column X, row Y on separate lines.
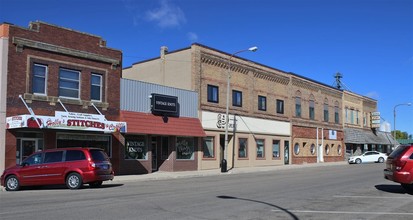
column 12, row 183
column 96, row 184
column 381, row 160
column 358, row 161
column 74, row 181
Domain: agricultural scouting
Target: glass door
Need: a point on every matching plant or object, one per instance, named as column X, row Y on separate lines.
column 154, row 146
column 286, row 152
column 27, row 147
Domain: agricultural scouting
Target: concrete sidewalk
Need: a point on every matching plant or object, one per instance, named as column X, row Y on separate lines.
column 188, row 174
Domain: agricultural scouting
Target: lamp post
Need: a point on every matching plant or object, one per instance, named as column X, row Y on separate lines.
column 224, row 160
column 394, row 121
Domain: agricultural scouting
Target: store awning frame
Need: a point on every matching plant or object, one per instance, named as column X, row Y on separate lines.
column 147, row 123
column 361, row 136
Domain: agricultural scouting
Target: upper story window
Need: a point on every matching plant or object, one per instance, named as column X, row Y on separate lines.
column 326, row 111
column 236, row 98
column 280, row 106
column 69, row 83
column 96, row 87
column 39, row 79
column 311, row 110
column 336, row 114
column 298, row 107
column 262, row 103
column 213, row 94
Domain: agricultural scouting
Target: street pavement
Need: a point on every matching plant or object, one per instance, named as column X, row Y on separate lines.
column 161, row 175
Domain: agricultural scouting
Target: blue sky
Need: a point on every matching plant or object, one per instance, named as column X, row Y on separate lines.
column 370, row 42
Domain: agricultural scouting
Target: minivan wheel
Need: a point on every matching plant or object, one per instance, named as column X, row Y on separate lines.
column 381, row 160
column 95, row 184
column 74, row 181
column 12, row 183
column 358, row 161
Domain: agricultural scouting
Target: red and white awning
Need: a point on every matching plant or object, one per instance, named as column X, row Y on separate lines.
column 66, row 120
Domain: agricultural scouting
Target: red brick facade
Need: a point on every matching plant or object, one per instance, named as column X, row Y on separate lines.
column 56, row 47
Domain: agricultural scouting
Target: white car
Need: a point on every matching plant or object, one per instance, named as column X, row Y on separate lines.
column 368, row 156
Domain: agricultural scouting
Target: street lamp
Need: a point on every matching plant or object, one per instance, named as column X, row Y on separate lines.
column 224, row 161
column 394, row 121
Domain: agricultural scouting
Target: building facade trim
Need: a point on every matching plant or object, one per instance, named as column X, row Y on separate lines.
column 22, row 42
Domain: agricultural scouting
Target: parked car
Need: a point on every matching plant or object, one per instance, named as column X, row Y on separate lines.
column 399, row 166
column 368, row 156
column 71, row 166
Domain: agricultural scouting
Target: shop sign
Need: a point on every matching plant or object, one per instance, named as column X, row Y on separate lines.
column 375, row 119
column 164, row 104
column 221, row 122
column 66, row 120
column 332, row 134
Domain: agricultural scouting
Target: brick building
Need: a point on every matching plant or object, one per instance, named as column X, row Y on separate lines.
column 262, row 108
column 362, row 126
column 59, row 88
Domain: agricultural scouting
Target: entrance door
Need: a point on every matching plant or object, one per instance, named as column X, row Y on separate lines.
column 286, row 152
column 154, row 146
column 27, row 147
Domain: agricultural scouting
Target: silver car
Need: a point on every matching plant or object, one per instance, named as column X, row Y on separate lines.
column 368, row 157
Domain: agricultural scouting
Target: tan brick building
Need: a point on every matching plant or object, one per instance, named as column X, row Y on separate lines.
column 263, row 101
column 362, row 126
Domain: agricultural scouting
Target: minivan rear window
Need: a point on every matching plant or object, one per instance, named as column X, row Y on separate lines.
column 73, row 155
column 398, row 151
column 98, row 155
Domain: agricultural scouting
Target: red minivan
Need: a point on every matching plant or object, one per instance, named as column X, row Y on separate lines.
column 399, row 166
column 71, row 166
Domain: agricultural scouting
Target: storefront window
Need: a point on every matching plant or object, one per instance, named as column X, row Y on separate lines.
column 260, row 148
column 208, row 147
column 327, row 149
column 85, row 140
column 185, row 148
column 312, row 149
column 339, row 150
column 296, row 148
column 242, row 150
column 275, row 149
column 136, row 148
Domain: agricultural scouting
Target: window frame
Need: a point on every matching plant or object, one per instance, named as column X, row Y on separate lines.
column 190, row 146
column 100, row 87
column 209, row 139
column 245, row 150
column 212, row 91
column 260, row 143
column 135, row 139
column 45, row 78
column 326, row 113
column 78, row 81
column 279, row 106
column 311, row 110
column 236, row 94
column 336, row 115
column 296, row 149
column 262, row 103
column 276, row 143
column 298, row 107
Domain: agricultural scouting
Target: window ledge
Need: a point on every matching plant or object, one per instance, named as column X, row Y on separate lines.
column 53, row 100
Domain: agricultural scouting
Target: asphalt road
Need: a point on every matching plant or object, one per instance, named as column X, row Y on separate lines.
column 330, row 192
